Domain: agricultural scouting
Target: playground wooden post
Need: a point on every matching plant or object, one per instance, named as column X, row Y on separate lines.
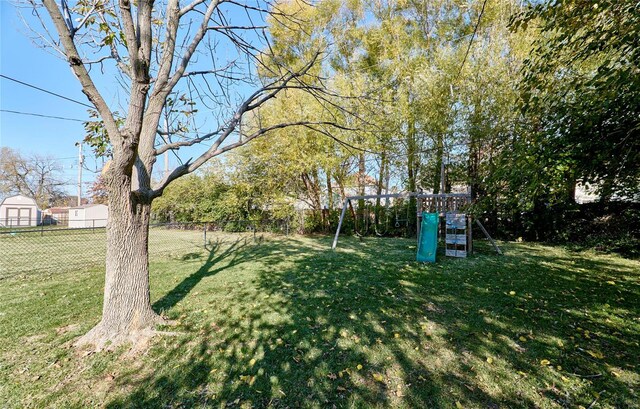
column 344, row 209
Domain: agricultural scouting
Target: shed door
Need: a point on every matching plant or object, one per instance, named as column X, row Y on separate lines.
column 12, row 216
column 18, row 216
column 24, row 218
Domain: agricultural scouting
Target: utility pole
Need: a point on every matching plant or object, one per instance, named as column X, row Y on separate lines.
column 80, row 163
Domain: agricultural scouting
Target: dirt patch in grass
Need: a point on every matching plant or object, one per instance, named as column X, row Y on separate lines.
column 67, row 328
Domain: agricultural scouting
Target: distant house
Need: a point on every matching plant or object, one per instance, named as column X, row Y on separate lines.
column 92, row 215
column 19, row 211
column 55, row 215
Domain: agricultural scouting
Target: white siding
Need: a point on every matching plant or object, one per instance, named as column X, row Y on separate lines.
column 19, row 211
column 88, row 216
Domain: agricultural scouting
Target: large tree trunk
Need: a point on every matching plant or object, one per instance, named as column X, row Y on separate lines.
column 362, row 171
column 329, row 191
column 380, row 181
column 412, row 222
column 437, row 174
column 343, row 196
column 127, row 315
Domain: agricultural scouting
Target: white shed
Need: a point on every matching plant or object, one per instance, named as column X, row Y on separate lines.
column 93, row 215
column 19, row 211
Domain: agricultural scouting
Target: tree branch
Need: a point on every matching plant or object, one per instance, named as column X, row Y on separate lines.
column 189, row 7
column 80, row 71
column 202, row 30
column 129, row 29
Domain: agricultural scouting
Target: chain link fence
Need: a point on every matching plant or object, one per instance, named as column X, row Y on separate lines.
column 43, row 249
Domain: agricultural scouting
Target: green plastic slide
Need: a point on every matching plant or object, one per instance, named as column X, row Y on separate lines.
column 428, row 242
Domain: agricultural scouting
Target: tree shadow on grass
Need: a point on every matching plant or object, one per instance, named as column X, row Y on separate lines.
column 368, row 327
column 218, row 252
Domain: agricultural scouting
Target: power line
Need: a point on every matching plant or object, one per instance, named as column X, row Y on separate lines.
column 48, row 92
column 42, row 115
column 475, row 30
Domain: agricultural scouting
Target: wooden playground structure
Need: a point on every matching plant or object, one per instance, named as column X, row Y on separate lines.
column 450, row 206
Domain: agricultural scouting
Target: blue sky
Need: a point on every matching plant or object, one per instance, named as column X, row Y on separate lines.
column 22, row 60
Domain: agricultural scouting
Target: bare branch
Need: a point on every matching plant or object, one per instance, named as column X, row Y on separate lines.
column 129, row 28
column 190, row 7
column 79, row 69
column 218, row 28
column 205, row 72
column 85, row 18
column 99, row 60
column 179, row 144
column 192, row 46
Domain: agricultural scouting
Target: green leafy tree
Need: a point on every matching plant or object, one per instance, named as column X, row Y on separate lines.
column 582, row 90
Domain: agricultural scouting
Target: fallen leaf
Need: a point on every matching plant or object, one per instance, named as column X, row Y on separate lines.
column 544, row 362
column 459, row 405
column 378, row 377
column 359, row 367
column 396, row 335
column 512, row 293
column 489, row 360
column 596, row 354
column 611, row 282
column 523, row 339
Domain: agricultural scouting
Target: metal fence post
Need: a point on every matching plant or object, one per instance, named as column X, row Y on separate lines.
column 204, row 234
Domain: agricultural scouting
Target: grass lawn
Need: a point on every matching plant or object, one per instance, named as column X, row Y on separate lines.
column 53, row 250
column 286, row 323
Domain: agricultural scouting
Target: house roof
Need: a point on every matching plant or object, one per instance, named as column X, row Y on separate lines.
column 52, row 210
column 87, row 206
column 368, row 180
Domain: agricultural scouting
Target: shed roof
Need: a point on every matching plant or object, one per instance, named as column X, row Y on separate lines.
column 58, row 210
column 87, row 206
column 29, row 200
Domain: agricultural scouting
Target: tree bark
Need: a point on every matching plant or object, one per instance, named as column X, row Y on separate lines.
column 127, row 315
column 329, row 191
column 412, row 223
column 383, row 161
column 343, row 196
column 362, row 170
column 437, row 174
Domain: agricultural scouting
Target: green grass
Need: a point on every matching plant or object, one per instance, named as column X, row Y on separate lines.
column 286, row 323
column 49, row 251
